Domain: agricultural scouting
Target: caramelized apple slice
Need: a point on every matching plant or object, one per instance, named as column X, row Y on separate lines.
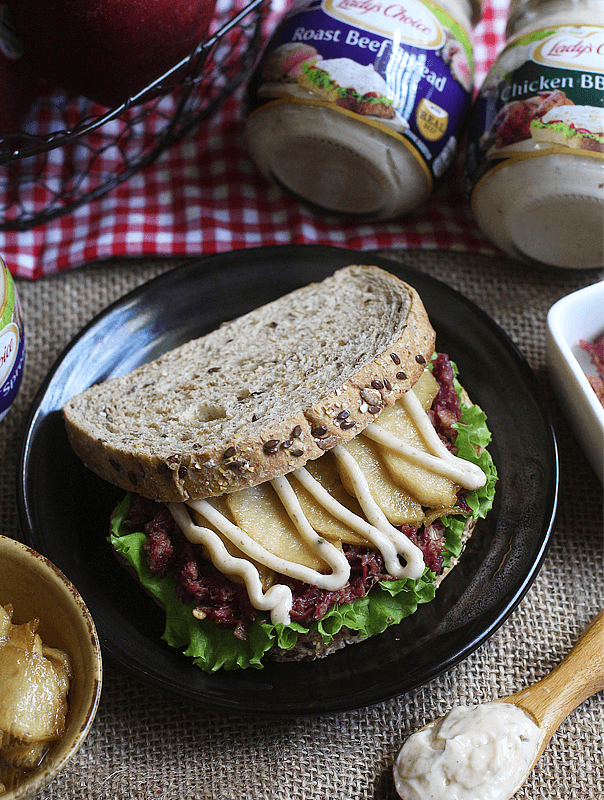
column 23, row 756
column 325, row 471
column 6, row 614
column 267, row 575
column 33, row 701
column 259, row 512
column 426, row 389
column 397, row 504
column 430, row 489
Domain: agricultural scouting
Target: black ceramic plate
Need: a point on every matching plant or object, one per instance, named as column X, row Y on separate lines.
column 64, row 509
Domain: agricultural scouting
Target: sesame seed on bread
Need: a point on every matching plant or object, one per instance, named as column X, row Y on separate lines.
column 259, row 396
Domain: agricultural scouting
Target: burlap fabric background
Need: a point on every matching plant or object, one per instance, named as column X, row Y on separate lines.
column 144, row 745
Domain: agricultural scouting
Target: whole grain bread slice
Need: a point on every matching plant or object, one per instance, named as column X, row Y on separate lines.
column 259, row 396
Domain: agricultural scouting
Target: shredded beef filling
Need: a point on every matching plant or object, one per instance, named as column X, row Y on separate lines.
column 227, row 604
column 431, row 541
column 445, row 411
column 310, row 603
column 596, row 351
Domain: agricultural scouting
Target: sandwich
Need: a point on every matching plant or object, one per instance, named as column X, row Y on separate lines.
column 296, row 480
column 579, row 127
column 516, row 120
column 349, row 85
column 284, row 63
column 281, row 68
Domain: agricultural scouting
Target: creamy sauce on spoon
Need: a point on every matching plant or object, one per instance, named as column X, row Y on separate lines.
column 478, row 752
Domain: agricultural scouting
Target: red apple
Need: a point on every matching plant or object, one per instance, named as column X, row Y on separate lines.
column 109, row 50
column 17, row 82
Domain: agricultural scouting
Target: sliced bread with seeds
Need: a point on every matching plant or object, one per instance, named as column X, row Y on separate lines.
column 261, row 395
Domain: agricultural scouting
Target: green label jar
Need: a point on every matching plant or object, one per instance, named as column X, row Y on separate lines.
column 535, row 154
column 12, row 343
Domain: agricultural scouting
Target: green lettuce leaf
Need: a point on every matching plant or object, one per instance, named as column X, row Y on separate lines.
column 214, row 648
column 566, row 130
column 322, row 80
column 472, row 433
column 389, row 602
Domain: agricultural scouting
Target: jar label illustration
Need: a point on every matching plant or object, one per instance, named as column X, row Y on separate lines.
column 544, row 94
column 405, row 67
column 12, row 348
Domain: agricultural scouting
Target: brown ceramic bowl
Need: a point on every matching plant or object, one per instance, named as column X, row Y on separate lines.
column 37, row 589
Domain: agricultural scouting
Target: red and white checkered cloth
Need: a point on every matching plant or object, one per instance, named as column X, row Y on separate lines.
column 204, row 195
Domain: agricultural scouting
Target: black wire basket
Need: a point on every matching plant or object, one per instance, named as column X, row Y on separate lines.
column 74, row 151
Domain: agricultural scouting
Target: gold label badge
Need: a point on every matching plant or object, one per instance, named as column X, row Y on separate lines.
column 432, row 120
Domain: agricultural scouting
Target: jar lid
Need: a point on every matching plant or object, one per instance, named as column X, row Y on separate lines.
column 516, row 8
column 519, row 7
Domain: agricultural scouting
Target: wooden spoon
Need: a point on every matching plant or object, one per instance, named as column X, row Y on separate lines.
column 579, row 676
column 549, row 701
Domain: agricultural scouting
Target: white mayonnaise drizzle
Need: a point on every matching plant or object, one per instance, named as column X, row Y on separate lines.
column 376, row 528
column 473, row 753
column 469, row 475
column 388, row 540
column 378, row 520
column 441, row 461
column 222, row 560
column 328, row 552
column 277, row 600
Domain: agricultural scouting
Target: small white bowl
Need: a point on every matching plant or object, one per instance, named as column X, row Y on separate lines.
column 577, row 317
column 37, row 589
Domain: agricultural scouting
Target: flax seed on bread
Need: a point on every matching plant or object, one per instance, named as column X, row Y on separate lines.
column 259, row 396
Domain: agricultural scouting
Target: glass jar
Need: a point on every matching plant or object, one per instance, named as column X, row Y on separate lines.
column 534, row 166
column 356, row 105
column 12, row 343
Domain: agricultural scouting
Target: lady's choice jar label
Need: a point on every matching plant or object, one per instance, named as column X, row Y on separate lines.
column 544, row 94
column 405, row 67
column 12, row 345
